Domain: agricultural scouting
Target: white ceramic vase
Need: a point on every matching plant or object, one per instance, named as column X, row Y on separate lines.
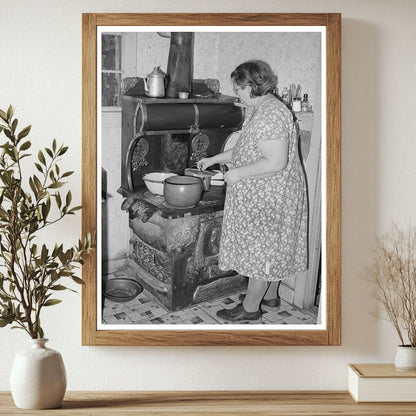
column 38, row 377
column 405, row 358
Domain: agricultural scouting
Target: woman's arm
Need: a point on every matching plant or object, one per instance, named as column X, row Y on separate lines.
column 221, row 158
column 274, row 159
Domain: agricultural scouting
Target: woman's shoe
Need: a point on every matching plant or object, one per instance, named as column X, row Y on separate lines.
column 238, row 314
column 271, row 303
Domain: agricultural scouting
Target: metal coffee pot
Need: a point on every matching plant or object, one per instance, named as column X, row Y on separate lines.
column 155, row 83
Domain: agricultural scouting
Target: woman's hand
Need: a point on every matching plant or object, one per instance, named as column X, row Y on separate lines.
column 232, row 176
column 205, row 163
column 221, row 158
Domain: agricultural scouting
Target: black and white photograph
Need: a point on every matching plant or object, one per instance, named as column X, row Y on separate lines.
column 211, row 149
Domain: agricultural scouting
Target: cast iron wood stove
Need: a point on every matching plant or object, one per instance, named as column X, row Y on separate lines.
column 173, row 251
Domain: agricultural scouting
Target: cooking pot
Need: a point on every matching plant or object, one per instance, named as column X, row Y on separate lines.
column 204, row 175
column 182, row 191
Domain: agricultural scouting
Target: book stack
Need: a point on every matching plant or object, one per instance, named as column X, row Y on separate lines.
column 381, row 383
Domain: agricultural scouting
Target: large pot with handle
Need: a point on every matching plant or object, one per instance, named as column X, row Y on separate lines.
column 182, row 192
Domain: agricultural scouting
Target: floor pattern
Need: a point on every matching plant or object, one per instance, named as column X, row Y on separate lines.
column 144, row 309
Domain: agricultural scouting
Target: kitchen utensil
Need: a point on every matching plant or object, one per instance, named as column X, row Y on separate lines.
column 183, row 95
column 154, row 181
column 120, row 289
column 296, row 105
column 298, row 91
column 218, row 177
column 183, row 191
column 204, row 175
column 155, row 83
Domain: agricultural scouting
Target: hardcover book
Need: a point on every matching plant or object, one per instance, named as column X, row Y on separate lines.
column 381, row 383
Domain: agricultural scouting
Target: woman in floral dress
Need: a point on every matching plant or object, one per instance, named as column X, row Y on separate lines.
column 264, row 231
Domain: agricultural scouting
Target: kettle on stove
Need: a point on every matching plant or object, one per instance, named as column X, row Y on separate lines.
column 155, row 83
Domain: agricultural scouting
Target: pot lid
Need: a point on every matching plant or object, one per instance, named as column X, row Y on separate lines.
column 157, row 72
column 198, row 172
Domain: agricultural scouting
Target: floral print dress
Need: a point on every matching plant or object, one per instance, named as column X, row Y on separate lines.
column 264, row 231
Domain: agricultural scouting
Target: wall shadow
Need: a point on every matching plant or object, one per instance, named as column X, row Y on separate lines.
column 360, row 185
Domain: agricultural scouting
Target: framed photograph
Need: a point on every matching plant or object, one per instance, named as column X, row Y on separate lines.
column 211, row 172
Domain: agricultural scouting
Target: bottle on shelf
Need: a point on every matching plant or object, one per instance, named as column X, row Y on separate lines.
column 305, row 103
column 285, row 95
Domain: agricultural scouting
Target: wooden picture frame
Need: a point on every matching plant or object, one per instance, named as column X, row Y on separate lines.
column 331, row 334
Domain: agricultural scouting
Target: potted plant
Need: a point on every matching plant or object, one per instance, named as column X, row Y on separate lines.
column 31, row 273
column 393, row 277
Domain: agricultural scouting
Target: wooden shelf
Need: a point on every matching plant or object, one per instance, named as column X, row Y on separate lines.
column 203, row 403
column 216, row 99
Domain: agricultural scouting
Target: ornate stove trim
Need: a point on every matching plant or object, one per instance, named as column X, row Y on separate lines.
column 181, row 233
column 151, row 260
column 207, row 246
column 199, row 146
column 140, row 151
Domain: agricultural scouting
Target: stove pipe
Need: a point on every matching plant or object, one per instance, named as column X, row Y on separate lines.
column 180, row 63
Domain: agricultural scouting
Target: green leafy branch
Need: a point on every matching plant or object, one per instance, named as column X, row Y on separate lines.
column 31, row 274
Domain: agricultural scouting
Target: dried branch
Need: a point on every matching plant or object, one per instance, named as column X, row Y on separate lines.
column 393, row 277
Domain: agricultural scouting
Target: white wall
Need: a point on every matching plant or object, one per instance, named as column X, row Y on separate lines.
column 40, row 73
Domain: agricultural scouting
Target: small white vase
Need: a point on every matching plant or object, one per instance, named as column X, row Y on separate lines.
column 405, row 358
column 38, row 377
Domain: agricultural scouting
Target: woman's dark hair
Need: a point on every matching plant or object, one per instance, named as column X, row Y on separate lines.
column 258, row 75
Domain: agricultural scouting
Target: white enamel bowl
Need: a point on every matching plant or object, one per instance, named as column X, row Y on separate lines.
column 154, row 181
